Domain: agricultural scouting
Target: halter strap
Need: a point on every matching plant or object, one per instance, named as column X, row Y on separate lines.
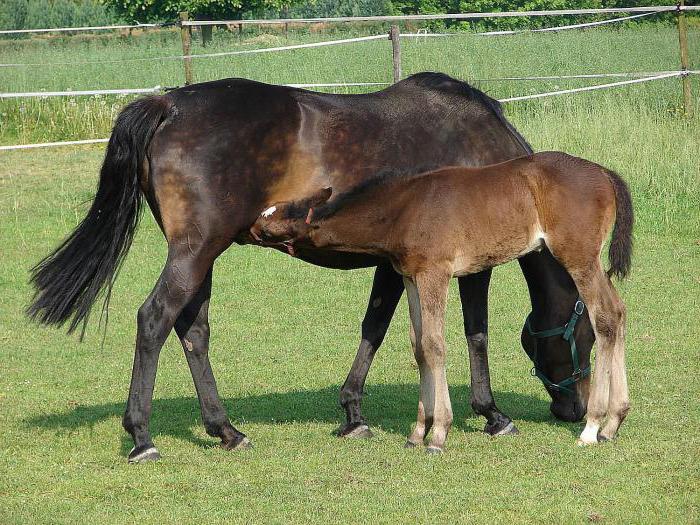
column 567, row 333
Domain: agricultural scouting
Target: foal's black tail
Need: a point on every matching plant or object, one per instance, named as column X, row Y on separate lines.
column 620, row 252
column 69, row 280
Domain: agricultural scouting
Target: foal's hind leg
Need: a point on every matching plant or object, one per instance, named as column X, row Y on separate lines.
column 619, row 403
column 427, row 298
column 192, row 327
column 608, row 393
column 184, row 272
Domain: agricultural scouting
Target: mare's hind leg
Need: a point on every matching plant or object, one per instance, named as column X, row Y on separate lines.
column 473, row 292
column 192, row 327
column 427, row 298
column 608, row 393
column 184, row 272
column 387, row 288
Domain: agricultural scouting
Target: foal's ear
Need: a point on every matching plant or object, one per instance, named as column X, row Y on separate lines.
column 320, row 197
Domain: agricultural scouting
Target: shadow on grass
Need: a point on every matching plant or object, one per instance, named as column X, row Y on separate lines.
column 392, row 407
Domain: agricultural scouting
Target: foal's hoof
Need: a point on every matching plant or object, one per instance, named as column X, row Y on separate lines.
column 585, row 441
column 589, row 436
column 143, row 454
column 410, row 444
column 241, row 444
column 356, row 431
column 507, row 430
column 433, row 450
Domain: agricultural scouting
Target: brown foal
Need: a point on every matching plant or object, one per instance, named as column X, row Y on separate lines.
column 458, row 221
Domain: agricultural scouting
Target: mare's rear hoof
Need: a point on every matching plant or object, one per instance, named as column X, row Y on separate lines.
column 241, row 444
column 356, row 431
column 509, row 429
column 433, row 450
column 144, row 454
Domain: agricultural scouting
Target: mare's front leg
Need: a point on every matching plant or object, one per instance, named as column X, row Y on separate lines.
column 387, row 288
column 192, row 327
column 473, row 293
column 427, row 299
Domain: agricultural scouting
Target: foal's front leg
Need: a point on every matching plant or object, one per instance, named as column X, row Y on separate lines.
column 427, row 298
column 473, row 293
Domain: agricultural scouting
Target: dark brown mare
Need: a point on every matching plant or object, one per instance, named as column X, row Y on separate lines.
column 460, row 221
column 209, row 157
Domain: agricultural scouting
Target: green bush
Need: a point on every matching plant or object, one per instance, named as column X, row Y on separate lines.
column 35, row 14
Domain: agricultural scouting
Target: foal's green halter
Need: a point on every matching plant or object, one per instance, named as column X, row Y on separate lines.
column 567, row 333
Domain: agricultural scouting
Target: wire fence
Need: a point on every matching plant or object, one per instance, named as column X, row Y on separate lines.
column 394, row 36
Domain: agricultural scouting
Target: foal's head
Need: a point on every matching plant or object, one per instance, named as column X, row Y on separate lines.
column 287, row 222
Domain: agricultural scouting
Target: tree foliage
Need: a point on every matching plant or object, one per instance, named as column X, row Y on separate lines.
column 164, row 10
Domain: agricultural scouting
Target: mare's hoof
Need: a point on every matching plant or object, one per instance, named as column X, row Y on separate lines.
column 356, row 431
column 144, row 454
column 508, row 430
column 242, row 444
column 433, row 450
column 410, row 444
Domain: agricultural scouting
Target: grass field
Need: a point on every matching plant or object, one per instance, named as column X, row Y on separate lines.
column 281, row 348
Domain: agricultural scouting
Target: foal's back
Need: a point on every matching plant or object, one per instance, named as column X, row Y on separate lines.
column 475, row 218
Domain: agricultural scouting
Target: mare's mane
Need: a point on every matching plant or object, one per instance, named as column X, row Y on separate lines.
column 446, row 83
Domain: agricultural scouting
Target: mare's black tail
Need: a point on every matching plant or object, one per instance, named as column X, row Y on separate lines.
column 69, row 280
column 620, row 252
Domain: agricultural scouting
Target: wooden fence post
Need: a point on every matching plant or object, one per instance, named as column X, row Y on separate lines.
column 683, row 41
column 186, row 35
column 395, row 51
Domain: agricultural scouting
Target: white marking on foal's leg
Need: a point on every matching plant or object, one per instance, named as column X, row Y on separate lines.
column 589, row 436
column 269, row 211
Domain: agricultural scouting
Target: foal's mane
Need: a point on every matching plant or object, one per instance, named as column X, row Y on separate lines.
column 300, row 209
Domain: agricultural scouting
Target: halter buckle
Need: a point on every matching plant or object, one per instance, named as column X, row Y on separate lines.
column 579, row 307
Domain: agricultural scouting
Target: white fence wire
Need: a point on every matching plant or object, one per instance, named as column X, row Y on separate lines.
column 639, row 77
column 665, row 75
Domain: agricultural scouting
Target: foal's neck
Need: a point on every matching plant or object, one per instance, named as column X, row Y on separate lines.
column 360, row 226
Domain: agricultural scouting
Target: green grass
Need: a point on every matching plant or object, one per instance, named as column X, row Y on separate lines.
column 284, row 335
